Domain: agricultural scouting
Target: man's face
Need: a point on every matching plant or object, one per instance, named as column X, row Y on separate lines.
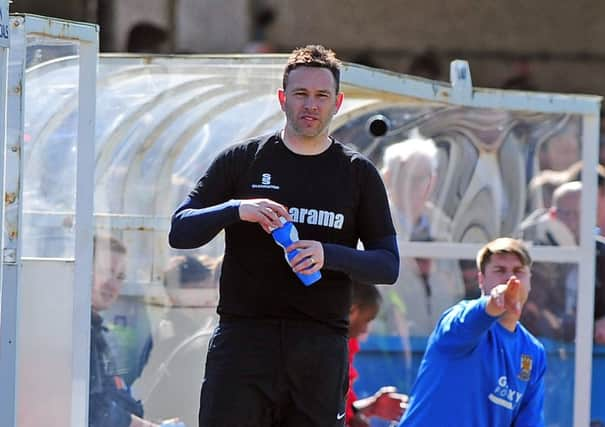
column 500, row 268
column 109, row 274
column 360, row 318
column 309, row 101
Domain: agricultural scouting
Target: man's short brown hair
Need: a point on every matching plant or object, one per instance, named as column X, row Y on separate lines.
column 503, row 245
column 313, row 56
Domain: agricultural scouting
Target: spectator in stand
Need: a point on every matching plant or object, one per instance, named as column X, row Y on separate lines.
column 545, row 315
column 542, row 186
column 551, row 309
column 427, row 286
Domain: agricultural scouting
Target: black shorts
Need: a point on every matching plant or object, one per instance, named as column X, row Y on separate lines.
column 274, row 373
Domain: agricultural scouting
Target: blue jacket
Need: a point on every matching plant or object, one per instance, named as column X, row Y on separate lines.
column 476, row 373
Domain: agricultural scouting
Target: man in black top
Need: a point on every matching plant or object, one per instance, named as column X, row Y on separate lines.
column 279, row 354
column 110, row 401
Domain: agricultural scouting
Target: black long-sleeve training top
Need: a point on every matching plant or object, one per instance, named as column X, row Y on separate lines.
column 336, row 197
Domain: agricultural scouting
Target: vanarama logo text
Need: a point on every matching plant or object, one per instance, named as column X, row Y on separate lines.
column 317, row 217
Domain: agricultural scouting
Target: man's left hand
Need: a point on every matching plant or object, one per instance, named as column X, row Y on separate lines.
column 310, row 257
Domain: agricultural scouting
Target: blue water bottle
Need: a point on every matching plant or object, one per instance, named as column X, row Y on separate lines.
column 284, row 236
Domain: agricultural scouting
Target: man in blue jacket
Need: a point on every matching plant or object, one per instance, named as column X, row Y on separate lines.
column 482, row 368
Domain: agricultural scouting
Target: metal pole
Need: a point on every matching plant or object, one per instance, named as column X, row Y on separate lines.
column 84, row 230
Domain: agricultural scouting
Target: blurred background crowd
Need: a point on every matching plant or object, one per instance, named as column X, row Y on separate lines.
column 552, row 46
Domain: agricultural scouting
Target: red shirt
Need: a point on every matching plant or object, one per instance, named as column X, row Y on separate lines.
column 351, row 396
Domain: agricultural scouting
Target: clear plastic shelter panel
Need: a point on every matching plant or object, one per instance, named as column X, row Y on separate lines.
column 161, row 121
column 484, row 173
column 49, row 139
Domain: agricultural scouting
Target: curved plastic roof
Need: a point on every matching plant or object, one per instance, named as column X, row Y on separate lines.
column 161, row 120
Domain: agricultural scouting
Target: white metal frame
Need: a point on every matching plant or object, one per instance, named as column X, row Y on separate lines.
column 461, row 92
column 7, row 324
column 87, row 35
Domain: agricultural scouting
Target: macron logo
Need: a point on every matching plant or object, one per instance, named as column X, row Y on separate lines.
column 265, row 182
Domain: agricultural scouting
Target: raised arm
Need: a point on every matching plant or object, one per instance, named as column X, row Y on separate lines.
column 194, row 225
column 461, row 327
column 212, row 204
column 505, row 298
